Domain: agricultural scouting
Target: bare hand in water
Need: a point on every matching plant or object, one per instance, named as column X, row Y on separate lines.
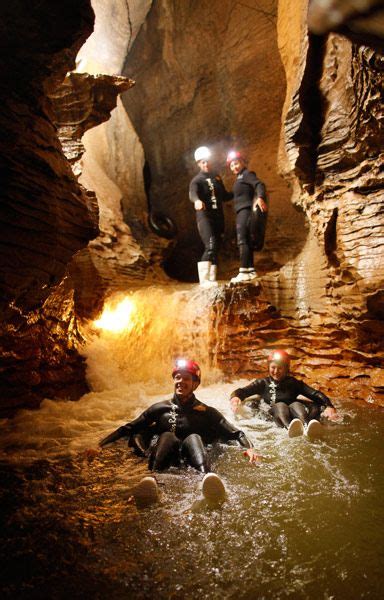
column 235, row 404
column 252, row 455
column 331, row 413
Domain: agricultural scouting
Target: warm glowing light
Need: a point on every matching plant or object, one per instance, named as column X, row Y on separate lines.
column 117, row 317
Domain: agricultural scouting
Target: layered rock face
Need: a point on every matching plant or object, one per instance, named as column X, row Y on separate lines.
column 81, row 103
column 126, row 253
column 325, row 306
column 45, row 216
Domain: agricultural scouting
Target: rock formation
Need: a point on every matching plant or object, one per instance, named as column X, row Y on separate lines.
column 332, row 151
column 45, row 216
column 81, row 103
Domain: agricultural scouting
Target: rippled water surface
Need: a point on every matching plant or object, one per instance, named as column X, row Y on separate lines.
column 305, row 523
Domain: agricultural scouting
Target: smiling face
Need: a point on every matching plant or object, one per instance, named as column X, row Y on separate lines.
column 185, row 385
column 278, row 370
column 204, row 165
column 236, row 166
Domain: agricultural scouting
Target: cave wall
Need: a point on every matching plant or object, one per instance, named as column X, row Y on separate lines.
column 329, row 298
column 334, row 159
column 45, row 216
column 126, row 252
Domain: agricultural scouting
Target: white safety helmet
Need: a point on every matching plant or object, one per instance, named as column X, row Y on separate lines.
column 202, row 153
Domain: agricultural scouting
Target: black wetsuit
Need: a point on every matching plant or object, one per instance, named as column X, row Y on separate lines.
column 210, row 189
column 246, row 189
column 282, row 397
column 169, row 431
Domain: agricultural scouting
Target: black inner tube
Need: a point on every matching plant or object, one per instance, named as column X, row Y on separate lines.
column 162, row 225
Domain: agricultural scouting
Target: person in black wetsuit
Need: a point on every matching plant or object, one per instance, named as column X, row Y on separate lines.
column 176, row 431
column 280, row 390
column 249, row 197
column 207, row 192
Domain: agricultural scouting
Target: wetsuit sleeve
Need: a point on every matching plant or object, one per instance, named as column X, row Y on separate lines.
column 256, row 387
column 224, row 430
column 120, row 432
column 229, row 432
column 141, row 422
column 317, row 397
column 225, row 195
column 257, row 184
column 194, row 190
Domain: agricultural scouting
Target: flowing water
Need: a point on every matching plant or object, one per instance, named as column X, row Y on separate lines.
column 305, row 523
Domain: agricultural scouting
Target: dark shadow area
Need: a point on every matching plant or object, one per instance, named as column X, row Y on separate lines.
column 330, row 239
column 312, row 104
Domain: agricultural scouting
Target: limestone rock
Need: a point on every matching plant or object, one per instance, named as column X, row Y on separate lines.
column 81, row 102
column 45, row 217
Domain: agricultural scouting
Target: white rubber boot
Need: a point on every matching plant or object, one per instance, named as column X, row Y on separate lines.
column 295, row 428
column 213, row 489
column 146, row 492
column 242, row 276
column 213, row 273
column 204, row 268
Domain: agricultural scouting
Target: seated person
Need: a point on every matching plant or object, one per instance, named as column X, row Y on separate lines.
column 176, row 431
column 280, row 390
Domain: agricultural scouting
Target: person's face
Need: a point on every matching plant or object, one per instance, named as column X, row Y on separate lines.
column 204, row 165
column 236, row 166
column 277, row 370
column 184, row 385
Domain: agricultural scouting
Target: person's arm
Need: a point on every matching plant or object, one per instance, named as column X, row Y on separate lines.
column 241, row 394
column 225, row 195
column 194, row 195
column 141, row 422
column 123, row 431
column 320, row 399
column 260, row 194
column 227, row 431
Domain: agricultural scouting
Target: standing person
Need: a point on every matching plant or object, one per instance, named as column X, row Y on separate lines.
column 207, row 192
column 280, row 390
column 175, row 432
column 250, row 204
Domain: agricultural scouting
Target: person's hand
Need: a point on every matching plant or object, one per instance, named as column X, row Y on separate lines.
column 261, row 203
column 235, row 404
column 199, row 205
column 252, row 455
column 331, row 413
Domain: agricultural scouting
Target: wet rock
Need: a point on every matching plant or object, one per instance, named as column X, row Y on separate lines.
column 45, row 216
column 80, row 102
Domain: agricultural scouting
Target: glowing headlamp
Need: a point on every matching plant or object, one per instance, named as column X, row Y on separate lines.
column 190, row 366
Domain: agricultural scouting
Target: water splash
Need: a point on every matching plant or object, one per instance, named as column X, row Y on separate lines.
column 140, row 335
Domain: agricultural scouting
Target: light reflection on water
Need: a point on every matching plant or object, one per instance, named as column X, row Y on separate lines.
column 305, row 523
